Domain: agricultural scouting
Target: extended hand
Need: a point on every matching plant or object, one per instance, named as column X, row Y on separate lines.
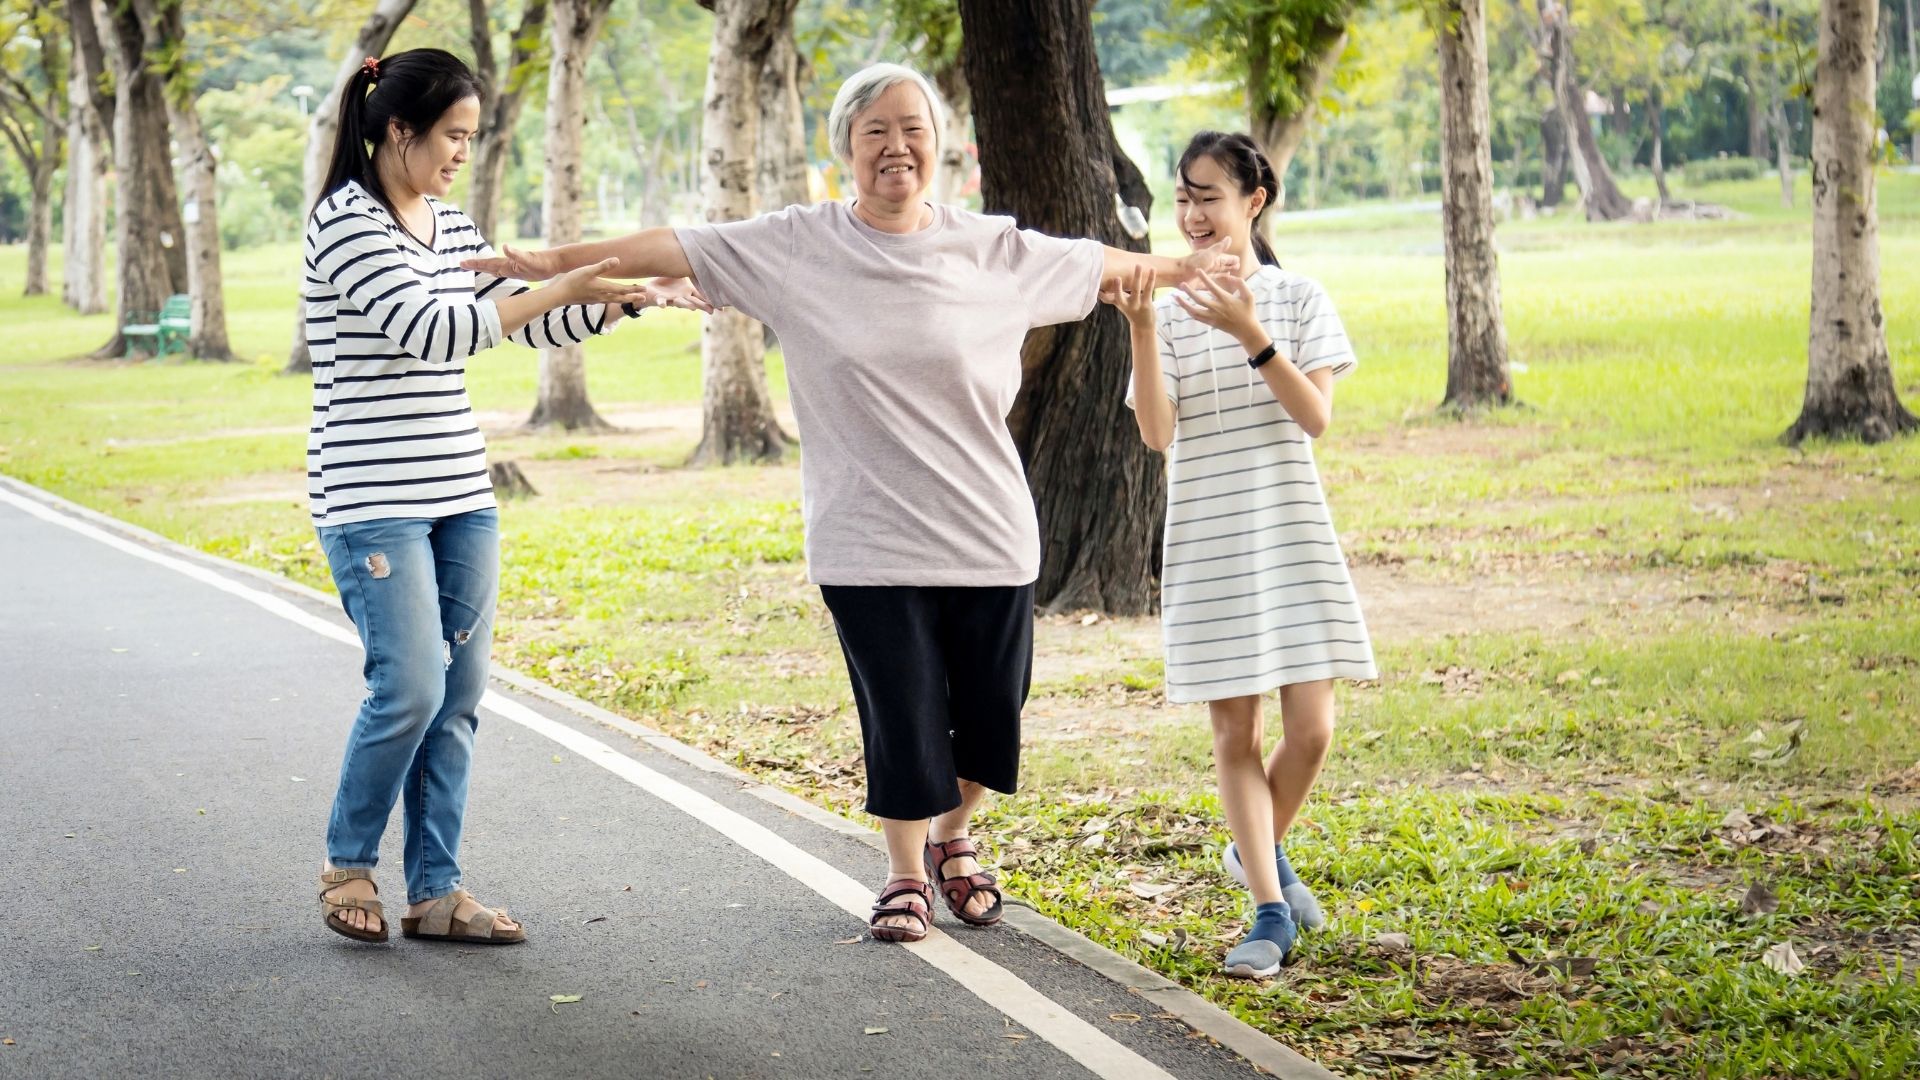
column 1222, row 302
column 1213, row 257
column 513, row 262
column 586, row 286
column 1132, row 295
column 680, row 293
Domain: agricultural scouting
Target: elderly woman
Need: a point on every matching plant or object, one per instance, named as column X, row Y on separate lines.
column 901, row 323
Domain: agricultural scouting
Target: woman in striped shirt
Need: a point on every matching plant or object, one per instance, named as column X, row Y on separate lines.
column 397, row 472
column 1236, row 376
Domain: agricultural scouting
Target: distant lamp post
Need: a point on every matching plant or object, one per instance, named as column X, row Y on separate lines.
column 303, row 93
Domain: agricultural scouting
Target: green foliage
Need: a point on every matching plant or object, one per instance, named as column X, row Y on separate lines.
column 1721, row 170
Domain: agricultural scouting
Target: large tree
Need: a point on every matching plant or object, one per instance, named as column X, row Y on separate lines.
column 1283, row 52
column 562, row 400
column 1850, row 389
column 371, row 40
column 147, row 227
column 89, row 152
column 737, row 417
column 506, row 95
column 166, row 32
column 33, row 92
column 1048, row 157
column 1476, row 337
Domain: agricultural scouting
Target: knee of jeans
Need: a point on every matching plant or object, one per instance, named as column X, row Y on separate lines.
column 414, row 701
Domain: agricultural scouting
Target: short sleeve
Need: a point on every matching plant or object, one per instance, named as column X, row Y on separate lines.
column 742, row 264
column 1320, row 340
column 1169, row 361
column 1059, row 279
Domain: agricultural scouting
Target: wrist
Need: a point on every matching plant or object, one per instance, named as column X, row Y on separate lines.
column 1253, row 338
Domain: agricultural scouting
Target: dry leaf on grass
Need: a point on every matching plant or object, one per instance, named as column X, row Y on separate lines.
column 1760, row 900
column 1783, row 959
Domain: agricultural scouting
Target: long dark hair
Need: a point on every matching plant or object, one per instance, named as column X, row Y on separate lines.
column 1242, row 160
column 415, row 87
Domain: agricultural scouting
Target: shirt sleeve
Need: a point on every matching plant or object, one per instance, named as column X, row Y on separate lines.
column 1320, row 339
column 556, row 328
column 353, row 251
column 743, row 264
column 1169, row 362
column 1059, row 279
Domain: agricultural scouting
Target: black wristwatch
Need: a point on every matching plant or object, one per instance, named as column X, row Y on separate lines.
column 1262, row 356
column 632, row 312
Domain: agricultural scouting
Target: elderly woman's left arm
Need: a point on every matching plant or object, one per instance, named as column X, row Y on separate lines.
column 1118, row 264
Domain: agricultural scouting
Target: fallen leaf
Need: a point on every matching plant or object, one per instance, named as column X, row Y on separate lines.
column 876, row 1031
column 298, row 779
column 1147, row 890
column 1571, row 675
column 1153, row 939
column 1736, row 819
column 1014, row 1035
column 70, row 836
column 1394, row 943
column 1760, row 900
column 595, row 919
column 854, row 940
column 701, row 985
column 93, row 948
column 1125, row 1018
column 179, row 869
column 1089, row 618
column 203, row 811
column 1783, row 959
column 556, row 759
column 6, row 1042
column 558, row 1000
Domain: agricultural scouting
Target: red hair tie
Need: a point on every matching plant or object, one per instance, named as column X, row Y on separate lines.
column 371, row 65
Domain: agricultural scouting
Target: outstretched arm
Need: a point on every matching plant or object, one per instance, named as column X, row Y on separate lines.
column 1119, row 264
column 648, row 253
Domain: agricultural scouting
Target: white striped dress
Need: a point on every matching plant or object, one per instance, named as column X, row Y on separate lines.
column 1255, row 592
column 390, row 325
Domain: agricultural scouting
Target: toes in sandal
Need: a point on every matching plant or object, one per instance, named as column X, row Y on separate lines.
column 336, row 907
column 439, row 924
column 902, row 897
column 959, row 891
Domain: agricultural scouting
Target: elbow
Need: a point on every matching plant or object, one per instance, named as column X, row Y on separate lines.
column 1315, row 426
column 1156, row 440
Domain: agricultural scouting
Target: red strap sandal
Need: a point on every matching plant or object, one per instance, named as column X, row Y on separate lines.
column 959, row 891
column 915, row 901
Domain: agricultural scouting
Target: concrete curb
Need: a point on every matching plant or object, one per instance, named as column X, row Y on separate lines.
column 1192, row 1009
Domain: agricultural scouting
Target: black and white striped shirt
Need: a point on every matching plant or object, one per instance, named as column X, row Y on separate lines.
column 390, row 326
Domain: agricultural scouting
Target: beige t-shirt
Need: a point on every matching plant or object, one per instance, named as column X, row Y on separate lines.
column 903, row 358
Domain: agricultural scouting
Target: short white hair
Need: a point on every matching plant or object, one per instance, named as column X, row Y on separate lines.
column 862, row 89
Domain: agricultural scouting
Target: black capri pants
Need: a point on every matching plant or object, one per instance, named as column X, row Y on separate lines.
column 940, row 674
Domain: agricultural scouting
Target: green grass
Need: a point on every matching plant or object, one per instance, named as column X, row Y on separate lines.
column 1724, row 624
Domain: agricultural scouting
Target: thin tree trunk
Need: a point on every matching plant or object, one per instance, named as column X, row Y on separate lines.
column 84, row 219
column 1278, row 130
column 956, row 164
column 321, row 129
column 1757, row 147
column 1598, row 192
column 1553, row 154
column 147, row 227
column 1657, row 122
column 1476, row 336
column 166, row 32
column 563, row 401
column 1782, row 149
column 1048, row 157
column 1913, row 72
column 40, row 218
column 780, row 163
column 737, row 418
column 507, row 94
column 1850, row 388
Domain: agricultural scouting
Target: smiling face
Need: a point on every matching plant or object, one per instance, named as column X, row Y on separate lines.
column 893, row 146
column 430, row 161
column 1209, row 207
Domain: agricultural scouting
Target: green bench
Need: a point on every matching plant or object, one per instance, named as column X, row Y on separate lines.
column 169, row 328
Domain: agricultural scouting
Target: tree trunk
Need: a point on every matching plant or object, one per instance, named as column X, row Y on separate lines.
column 507, row 94
column 737, row 419
column 1913, row 72
column 563, row 401
column 781, row 151
column 1277, row 129
column 1476, row 336
column 84, row 218
column 147, row 228
column 40, row 216
column 1657, row 123
column 1048, row 157
column 1850, row 388
column 370, row 41
column 1553, row 155
column 1782, row 149
column 1600, row 195
column 1757, row 147
column 956, row 163
column 166, row 33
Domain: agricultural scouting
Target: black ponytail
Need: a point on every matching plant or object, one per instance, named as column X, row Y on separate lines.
column 416, row 88
column 1242, row 160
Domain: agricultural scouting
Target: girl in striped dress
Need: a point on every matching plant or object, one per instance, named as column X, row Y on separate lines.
column 1236, row 375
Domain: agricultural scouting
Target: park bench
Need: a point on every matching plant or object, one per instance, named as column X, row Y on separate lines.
column 170, row 327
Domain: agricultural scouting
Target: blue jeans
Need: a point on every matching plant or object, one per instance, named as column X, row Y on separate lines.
column 421, row 592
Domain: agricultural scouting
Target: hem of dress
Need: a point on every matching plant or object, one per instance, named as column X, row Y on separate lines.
column 1340, row 669
column 377, row 513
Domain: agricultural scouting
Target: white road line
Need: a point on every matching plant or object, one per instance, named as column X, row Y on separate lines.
column 991, row 983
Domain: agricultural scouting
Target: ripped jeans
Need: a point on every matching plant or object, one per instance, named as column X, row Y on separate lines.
column 421, row 592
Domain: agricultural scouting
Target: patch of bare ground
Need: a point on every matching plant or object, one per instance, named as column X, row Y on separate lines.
column 207, row 436
column 289, row 488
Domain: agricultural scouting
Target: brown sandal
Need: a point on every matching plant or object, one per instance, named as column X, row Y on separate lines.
column 918, row 905
column 438, row 923
column 334, row 908
column 958, row 891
